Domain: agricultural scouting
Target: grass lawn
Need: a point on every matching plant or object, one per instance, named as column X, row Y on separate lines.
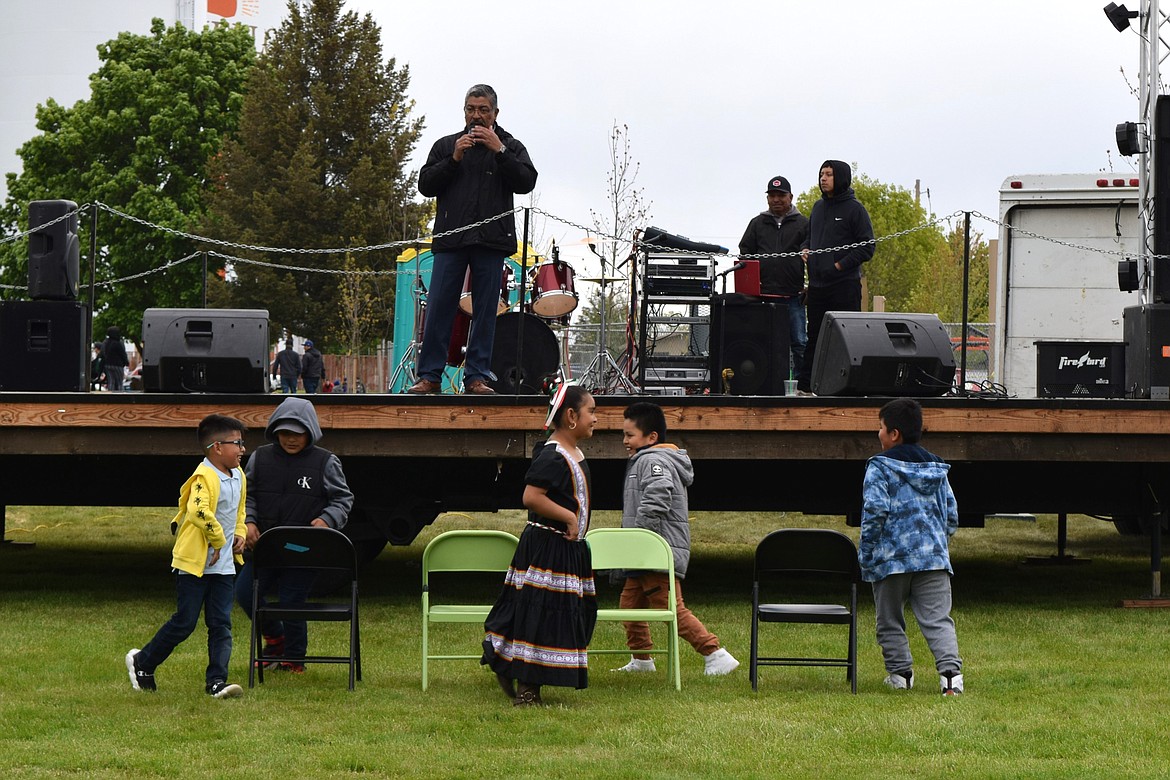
column 1061, row 682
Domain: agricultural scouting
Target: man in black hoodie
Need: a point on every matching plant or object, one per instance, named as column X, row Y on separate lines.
column 473, row 174
column 838, row 220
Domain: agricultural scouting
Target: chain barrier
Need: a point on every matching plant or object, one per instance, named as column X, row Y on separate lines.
column 408, row 243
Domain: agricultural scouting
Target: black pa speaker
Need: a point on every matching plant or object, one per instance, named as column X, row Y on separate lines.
column 750, row 339
column 44, row 346
column 879, row 353
column 205, row 351
column 54, row 251
column 1147, row 351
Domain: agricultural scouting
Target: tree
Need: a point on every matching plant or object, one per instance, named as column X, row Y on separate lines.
column 898, row 265
column 940, row 288
column 318, row 162
column 159, row 108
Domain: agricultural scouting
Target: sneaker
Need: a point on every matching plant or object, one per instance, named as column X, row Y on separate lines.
column 221, row 689
column 140, row 680
column 720, row 662
column 900, row 681
column 638, row 665
column 951, row 683
column 806, row 394
column 289, row 666
column 273, row 648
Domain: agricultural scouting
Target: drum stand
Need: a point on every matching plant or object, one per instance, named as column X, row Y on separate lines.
column 409, row 363
column 603, row 374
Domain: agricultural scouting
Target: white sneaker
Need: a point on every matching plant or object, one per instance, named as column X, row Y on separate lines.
column 806, row 394
column 720, row 662
column 900, row 681
column 951, row 683
column 638, row 665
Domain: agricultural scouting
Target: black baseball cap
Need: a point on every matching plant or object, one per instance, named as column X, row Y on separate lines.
column 778, row 184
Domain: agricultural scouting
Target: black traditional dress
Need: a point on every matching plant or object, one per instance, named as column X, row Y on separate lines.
column 538, row 632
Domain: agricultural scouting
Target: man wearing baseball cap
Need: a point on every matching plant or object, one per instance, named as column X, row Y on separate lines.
column 780, row 231
column 312, row 367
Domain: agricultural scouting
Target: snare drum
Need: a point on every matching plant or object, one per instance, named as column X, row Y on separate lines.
column 553, row 292
column 506, row 284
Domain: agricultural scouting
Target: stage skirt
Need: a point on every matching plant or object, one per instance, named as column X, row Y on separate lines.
column 538, row 632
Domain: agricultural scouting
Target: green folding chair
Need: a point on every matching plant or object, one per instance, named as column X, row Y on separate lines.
column 637, row 548
column 460, row 551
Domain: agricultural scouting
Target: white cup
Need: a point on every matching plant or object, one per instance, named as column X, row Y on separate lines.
column 789, row 387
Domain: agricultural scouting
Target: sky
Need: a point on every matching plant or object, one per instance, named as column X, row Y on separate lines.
column 720, row 97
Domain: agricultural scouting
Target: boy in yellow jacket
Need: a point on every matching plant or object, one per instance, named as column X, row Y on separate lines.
column 210, row 523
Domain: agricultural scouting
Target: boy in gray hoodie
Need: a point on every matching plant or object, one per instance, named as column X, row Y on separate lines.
column 655, row 498
column 291, row 481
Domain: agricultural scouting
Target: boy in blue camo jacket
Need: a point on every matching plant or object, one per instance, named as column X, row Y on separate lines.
column 908, row 514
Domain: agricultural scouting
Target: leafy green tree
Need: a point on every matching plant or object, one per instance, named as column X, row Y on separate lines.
column 159, row 108
column 899, row 265
column 940, row 287
column 318, row 162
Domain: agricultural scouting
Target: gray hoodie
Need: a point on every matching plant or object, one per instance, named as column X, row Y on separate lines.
column 655, row 498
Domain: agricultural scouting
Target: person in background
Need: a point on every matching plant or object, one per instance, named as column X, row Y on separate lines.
column 288, row 366
column 312, row 367
column 115, row 359
column 97, row 367
column 781, row 230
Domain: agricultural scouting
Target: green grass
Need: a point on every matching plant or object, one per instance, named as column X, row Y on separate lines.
column 1061, row 681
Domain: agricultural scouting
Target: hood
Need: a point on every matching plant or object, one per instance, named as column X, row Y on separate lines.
column 299, row 410
column 924, row 477
column 842, row 177
column 680, row 459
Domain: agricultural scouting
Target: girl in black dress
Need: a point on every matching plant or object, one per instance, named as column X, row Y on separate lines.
column 538, row 632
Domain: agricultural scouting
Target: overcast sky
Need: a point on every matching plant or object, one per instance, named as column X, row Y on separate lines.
column 719, row 97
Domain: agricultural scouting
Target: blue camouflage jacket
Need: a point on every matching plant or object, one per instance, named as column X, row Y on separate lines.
column 908, row 513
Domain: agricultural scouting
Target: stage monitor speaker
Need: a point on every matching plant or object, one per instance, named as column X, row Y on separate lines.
column 205, row 351
column 880, row 353
column 44, row 346
column 751, row 339
column 54, row 252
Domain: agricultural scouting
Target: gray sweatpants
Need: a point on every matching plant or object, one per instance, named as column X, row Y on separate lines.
column 929, row 594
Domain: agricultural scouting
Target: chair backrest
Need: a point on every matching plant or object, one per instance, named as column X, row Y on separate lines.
column 304, row 547
column 629, row 548
column 472, row 550
column 808, row 551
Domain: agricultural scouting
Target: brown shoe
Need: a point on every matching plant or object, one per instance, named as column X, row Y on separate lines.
column 424, row 386
column 478, row 387
column 527, row 696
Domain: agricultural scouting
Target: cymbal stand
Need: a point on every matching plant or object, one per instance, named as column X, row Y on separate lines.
column 408, row 366
column 603, row 374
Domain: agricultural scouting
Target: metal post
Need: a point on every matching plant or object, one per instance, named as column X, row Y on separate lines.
column 966, row 301
column 93, row 225
column 520, row 322
column 205, row 280
column 1156, row 556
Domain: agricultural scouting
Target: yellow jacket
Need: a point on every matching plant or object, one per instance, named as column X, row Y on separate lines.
column 195, row 526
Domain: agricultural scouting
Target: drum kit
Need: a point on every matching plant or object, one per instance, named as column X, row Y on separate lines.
column 525, row 350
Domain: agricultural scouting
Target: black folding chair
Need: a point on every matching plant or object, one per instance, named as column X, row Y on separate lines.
column 314, row 551
column 806, row 557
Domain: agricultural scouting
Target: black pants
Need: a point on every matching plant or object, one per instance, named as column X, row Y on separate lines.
column 845, row 296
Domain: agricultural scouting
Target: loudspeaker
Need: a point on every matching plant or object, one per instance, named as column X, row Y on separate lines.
column 751, row 339
column 205, row 351
column 54, row 252
column 878, row 353
column 44, row 346
column 1147, row 351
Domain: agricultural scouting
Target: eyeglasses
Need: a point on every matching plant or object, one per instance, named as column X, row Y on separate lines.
column 238, row 442
column 481, row 110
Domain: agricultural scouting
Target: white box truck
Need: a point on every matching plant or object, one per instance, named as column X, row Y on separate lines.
column 1055, row 278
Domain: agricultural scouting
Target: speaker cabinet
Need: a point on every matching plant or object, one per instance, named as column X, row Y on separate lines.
column 751, row 339
column 1147, row 351
column 879, row 353
column 44, row 346
column 205, row 351
column 54, row 252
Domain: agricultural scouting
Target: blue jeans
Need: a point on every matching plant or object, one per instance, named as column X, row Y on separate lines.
column 211, row 593
column 447, row 273
column 288, row 386
column 311, row 384
column 797, row 334
column 291, row 587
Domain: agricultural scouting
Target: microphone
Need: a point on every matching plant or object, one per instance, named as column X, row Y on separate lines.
column 741, row 264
